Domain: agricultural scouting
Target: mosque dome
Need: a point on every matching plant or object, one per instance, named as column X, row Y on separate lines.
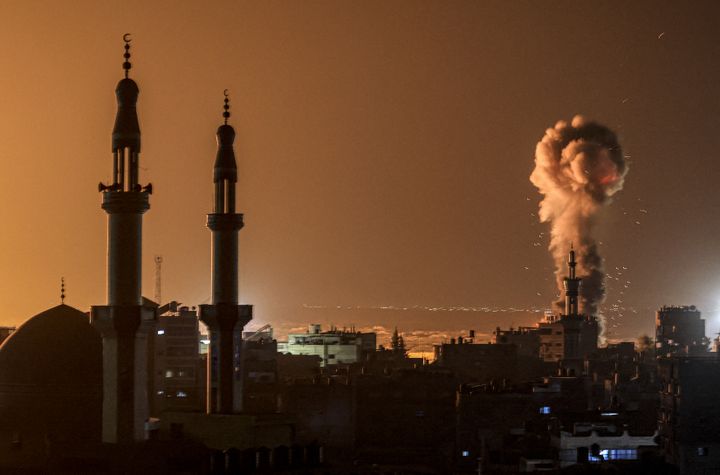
column 58, row 347
column 50, row 384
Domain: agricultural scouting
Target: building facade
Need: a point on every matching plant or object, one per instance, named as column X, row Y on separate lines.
column 572, row 336
column 333, row 346
column 679, row 330
column 178, row 372
column 689, row 415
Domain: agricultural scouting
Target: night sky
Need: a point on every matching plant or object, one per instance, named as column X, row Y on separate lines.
column 384, row 153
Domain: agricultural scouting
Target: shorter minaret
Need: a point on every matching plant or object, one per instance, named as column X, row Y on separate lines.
column 572, row 287
column 125, row 325
column 224, row 317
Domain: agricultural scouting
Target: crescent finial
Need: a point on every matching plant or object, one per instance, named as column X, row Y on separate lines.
column 127, row 65
column 226, row 113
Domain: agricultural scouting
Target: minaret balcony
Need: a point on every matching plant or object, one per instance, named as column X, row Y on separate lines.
column 225, row 222
column 136, row 202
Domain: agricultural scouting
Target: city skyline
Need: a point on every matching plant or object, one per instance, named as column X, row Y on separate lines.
column 379, row 166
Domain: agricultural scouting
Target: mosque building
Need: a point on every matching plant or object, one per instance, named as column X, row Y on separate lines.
column 77, row 386
column 50, row 387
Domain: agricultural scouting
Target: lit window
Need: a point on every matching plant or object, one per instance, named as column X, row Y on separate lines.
column 614, row 454
column 702, row 451
column 161, row 332
column 181, row 394
column 465, row 453
column 169, row 373
column 160, row 393
column 545, row 410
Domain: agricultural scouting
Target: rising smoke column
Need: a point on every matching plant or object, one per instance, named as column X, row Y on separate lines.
column 578, row 167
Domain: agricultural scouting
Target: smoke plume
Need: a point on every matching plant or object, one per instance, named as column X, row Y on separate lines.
column 578, row 168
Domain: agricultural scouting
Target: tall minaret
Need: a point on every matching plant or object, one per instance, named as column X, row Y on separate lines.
column 572, row 287
column 124, row 323
column 224, row 317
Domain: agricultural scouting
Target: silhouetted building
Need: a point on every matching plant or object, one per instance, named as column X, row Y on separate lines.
column 526, row 339
column 333, row 346
column 626, row 379
column 325, row 410
column 478, row 362
column 260, row 373
column 406, row 418
column 294, row 367
column 178, row 372
column 490, row 417
column 679, row 331
column 386, row 360
column 689, row 412
column 543, row 426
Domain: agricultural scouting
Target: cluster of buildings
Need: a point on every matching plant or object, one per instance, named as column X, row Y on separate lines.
column 133, row 387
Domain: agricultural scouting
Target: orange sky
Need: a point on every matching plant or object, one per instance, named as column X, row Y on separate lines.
column 384, row 149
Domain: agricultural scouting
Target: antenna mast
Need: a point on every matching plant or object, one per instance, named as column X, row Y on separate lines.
column 158, row 279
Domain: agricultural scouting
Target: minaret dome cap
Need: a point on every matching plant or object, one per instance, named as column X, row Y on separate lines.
column 225, row 166
column 127, row 92
column 126, row 133
column 225, row 135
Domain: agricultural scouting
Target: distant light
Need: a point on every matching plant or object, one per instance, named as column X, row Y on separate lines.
column 609, row 414
column 205, row 342
column 181, row 394
column 545, row 410
column 161, row 332
column 465, row 453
